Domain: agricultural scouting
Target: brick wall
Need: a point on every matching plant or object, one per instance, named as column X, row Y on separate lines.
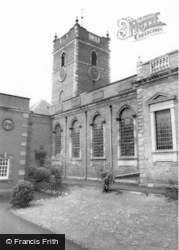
column 13, row 143
column 39, row 139
column 67, row 84
column 78, row 44
column 105, row 92
column 88, row 166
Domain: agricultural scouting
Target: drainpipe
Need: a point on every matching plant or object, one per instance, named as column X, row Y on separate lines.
column 111, row 137
column 86, row 146
column 65, row 146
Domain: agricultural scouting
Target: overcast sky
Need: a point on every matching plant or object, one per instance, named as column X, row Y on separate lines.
column 27, row 29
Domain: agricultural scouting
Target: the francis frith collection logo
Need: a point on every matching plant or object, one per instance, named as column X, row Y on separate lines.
column 139, row 28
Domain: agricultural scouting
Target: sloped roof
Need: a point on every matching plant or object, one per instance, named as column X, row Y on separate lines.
column 41, row 107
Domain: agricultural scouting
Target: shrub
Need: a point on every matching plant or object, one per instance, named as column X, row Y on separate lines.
column 172, row 193
column 32, row 174
column 107, row 177
column 56, row 171
column 38, row 186
column 42, row 175
column 22, row 194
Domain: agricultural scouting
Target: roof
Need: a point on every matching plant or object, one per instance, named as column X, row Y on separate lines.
column 41, row 107
column 15, row 96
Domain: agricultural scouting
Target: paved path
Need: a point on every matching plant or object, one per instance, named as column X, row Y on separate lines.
column 12, row 224
column 117, row 186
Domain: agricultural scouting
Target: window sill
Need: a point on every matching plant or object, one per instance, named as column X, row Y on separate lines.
column 127, row 158
column 98, row 158
column 5, row 180
column 75, row 159
column 164, row 151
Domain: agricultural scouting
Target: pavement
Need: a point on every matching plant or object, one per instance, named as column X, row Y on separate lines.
column 13, row 224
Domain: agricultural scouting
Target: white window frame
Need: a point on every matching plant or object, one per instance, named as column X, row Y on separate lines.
column 8, row 164
column 164, row 154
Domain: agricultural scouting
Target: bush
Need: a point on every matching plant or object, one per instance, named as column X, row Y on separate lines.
column 22, row 194
column 42, row 175
column 56, row 171
column 107, row 177
column 32, row 174
column 38, row 186
column 172, row 193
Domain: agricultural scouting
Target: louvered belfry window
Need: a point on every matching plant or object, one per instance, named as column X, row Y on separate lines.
column 63, row 60
column 127, row 133
column 163, row 130
column 98, row 147
column 58, row 139
column 93, row 59
column 75, row 139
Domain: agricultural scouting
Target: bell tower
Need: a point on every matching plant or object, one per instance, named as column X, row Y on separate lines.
column 81, row 63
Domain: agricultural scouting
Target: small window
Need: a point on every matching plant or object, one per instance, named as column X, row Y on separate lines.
column 63, row 59
column 163, row 130
column 75, row 139
column 127, row 133
column 93, row 59
column 4, row 168
column 58, row 136
column 98, row 147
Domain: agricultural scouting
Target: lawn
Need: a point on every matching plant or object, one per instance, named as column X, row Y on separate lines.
column 103, row 221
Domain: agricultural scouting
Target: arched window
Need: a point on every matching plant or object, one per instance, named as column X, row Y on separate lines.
column 58, row 139
column 98, row 144
column 61, row 96
column 75, row 139
column 63, row 59
column 93, row 58
column 127, row 133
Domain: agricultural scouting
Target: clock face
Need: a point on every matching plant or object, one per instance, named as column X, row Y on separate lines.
column 62, row 74
column 94, row 73
column 8, row 124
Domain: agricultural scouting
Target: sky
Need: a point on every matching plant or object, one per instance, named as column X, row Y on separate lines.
column 27, row 29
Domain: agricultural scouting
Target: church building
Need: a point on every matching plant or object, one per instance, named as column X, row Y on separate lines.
column 129, row 126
